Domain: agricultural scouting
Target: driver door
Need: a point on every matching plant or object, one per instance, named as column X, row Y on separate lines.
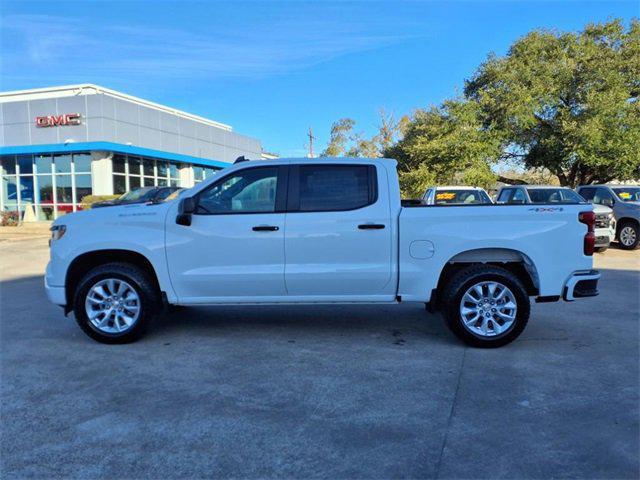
column 233, row 251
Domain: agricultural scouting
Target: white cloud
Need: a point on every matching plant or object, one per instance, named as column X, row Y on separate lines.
column 70, row 48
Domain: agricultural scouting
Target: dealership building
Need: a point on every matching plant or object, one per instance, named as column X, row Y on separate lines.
column 60, row 144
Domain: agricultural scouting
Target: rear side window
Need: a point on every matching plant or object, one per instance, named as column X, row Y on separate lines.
column 323, row 188
column 587, row 193
column 553, row 195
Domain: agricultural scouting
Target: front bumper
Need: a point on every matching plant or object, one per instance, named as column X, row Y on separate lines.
column 604, row 236
column 55, row 295
column 581, row 284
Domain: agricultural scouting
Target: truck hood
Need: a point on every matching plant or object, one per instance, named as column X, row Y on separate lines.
column 597, row 208
column 117, row 215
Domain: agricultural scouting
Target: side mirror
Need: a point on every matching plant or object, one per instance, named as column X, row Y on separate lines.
column 186, row 208
column 607, row 202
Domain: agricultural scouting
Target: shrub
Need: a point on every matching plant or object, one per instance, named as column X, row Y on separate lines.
column 10, row 219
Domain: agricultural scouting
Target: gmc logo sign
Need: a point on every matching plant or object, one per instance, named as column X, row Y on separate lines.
column 57, row 120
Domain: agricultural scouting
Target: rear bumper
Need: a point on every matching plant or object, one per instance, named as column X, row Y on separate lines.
column 55, row 294
column 581, row 284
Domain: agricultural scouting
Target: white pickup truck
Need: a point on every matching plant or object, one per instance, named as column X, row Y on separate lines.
column 318, row 231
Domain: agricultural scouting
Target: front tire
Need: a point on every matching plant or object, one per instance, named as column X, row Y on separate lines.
column 486, row 306
column 628, row 235
column 114, row 303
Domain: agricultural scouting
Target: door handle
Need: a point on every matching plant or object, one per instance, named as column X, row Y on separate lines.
column 265, row 228
column 371, row 226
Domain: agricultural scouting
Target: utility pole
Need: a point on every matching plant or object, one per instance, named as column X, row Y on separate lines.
column 311, row 139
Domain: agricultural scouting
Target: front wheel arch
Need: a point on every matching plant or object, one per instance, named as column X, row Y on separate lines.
column 87, row 261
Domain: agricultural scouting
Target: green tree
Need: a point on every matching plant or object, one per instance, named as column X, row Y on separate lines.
column 445, row 145
column 339, row 138
column 566, row 102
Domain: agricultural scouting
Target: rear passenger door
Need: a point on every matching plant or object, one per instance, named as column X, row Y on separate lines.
column 338, row 233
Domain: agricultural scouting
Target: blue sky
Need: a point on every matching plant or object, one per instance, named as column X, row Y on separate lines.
column 273, row 69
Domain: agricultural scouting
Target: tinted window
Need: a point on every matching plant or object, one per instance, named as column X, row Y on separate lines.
column 334, row 187
column 553, row 195
column 601, row 195
column 587, row 193
column 505, row 195
column 248, row 191
column 518, row 196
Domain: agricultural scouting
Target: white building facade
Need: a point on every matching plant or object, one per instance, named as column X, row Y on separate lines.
column 61, row 144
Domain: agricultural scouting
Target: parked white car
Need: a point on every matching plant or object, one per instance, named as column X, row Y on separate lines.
column 605, row 227
column 456, row 195
column 318, row 231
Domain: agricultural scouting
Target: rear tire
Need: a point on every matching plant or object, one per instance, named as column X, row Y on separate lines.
column 628, row 235
column 486, row 306
column 121, row 315
column 600, row 249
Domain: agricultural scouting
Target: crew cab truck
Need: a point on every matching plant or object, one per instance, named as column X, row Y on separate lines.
column 318, row 231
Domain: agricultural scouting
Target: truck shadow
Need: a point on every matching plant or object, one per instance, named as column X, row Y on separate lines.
column 24, row 309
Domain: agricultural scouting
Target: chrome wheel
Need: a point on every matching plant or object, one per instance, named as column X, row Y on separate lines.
column 488, row 309
column 627, row 236
column 112, row 305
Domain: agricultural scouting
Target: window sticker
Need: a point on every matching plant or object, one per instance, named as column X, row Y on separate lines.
column 445, row 196
column 625, row 195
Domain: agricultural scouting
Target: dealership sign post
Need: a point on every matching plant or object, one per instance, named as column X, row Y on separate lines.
column 57, row 120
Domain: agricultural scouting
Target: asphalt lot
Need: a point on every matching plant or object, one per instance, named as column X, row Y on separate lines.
column 322, row 392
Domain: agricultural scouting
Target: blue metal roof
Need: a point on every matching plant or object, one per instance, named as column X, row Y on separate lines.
column 112, row 147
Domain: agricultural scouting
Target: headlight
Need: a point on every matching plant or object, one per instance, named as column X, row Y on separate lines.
column 57, row 232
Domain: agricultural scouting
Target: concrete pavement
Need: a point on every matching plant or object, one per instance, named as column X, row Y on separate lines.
column 322, row 392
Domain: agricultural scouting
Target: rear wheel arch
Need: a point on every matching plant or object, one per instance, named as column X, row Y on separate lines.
column 512, row 260
column 84, row 263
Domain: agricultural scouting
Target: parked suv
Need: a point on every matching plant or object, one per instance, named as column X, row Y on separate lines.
column 605, row 226
column 625, row 202
column 458, row 195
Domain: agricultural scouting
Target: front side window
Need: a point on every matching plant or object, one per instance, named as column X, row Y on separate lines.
column 247, row 191
column 325, row 188
column 627, row 194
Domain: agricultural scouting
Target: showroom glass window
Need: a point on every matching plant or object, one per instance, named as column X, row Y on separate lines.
column 132, row 171
column 50, row 184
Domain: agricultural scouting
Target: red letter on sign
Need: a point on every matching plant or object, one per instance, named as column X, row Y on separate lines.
column 57, row 120
column 73, row 119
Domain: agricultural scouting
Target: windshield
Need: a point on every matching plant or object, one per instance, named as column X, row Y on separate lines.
column 554, row 195
column 145, row 193
column 452, row 197
column 628, row 194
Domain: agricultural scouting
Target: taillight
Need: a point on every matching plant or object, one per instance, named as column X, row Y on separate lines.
column 589, row 219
